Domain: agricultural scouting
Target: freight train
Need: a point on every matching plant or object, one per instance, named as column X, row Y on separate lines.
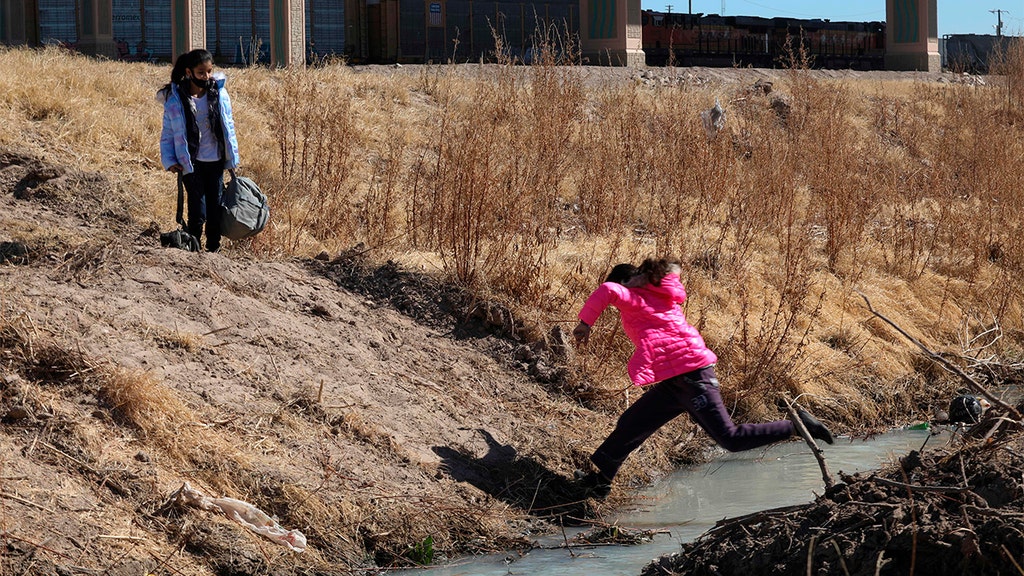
column 710, row 40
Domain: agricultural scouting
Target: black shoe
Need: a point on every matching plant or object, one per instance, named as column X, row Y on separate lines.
column 593, row 484
column 817, row 430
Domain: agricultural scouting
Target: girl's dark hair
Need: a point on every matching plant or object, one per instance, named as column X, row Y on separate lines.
column 622, row 272
column 187, row 61
column 656, row 269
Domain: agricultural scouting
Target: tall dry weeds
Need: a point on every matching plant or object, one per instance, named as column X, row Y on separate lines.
column 526, row 183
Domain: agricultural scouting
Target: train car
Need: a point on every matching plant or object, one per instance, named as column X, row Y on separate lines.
column 970, row 52
column 713, row 40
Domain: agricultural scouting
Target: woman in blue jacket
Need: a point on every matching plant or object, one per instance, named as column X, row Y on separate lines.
column 198, row 138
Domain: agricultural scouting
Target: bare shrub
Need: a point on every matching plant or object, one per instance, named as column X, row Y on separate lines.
column 312, row 116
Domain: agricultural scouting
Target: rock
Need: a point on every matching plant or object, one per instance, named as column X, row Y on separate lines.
column 14, row 252
column 17, row 413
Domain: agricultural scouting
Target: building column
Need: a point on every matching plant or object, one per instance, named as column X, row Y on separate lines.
column 912, row 35
column 188, row 26
column 12, row 22
column 287, row 33
column 96, row 28
column 610, row 32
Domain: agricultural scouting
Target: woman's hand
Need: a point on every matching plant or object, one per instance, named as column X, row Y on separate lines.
column 177, row 168
column 581, row 333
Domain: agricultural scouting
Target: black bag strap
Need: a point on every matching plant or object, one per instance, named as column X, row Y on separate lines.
column 181, row 202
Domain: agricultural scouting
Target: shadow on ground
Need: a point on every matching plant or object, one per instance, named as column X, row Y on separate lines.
column 518, row 481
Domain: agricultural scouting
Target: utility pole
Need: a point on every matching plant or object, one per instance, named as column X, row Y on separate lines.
column 668, row 8
column 999, row 20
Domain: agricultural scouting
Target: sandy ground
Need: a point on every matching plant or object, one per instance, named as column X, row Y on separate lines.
column 263, row 381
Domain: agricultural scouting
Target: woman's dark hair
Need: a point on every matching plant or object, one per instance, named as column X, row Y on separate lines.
column 187, row 61
column 622, row 272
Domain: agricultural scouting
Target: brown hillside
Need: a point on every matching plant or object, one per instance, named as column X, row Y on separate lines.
column 384, row 368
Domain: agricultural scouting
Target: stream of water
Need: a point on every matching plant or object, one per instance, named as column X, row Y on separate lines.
column 687, row 503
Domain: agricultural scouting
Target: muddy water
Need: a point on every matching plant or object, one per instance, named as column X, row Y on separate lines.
column 689, row 502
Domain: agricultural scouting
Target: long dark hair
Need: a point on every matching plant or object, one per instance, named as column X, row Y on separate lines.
column 184, row 62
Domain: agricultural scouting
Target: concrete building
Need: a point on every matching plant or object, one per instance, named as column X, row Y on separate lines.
column 286, row 32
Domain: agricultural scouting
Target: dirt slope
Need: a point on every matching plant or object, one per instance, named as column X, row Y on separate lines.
column 128, row 369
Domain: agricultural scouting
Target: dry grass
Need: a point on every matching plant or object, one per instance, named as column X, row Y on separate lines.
column 526, row 183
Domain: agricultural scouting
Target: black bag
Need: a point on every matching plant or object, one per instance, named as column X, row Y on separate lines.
column 180, row 238
column 244, row 208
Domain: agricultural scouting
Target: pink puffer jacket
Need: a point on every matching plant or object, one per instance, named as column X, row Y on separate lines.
column 666, row 344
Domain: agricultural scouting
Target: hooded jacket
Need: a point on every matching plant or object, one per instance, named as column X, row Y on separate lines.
column 179, row 139
column 666, row 344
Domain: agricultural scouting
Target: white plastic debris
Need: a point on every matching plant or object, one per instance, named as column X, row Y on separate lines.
column 245, row 514
column 713, row 119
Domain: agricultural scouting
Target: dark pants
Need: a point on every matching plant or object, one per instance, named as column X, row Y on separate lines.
column 204, row 187
column 694, row 392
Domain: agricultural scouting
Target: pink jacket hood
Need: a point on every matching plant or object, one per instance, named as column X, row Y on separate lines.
column 666, row 344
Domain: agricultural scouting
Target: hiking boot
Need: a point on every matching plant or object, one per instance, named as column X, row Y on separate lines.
column 816, row 429
column 593, row 484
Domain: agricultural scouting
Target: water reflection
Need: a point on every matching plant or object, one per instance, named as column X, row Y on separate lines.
column 691, row 501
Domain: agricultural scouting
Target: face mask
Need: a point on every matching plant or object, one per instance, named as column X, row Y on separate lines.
column 203, row 84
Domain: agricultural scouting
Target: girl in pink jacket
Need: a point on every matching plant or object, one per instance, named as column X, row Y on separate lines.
column 671, row 355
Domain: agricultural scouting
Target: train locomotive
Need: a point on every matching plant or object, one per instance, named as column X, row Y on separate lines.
column 710, row 40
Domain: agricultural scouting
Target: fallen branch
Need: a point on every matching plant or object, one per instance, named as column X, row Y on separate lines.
column 755, row 517
column 945, row 363
column 918, row 488
column 798, row 424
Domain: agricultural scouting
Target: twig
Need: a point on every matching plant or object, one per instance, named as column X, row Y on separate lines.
column 104, row 478
column 215, row 331
column 755, row 517
column 270, row 352
column 128, row 538
column 992, row 512
column 945, row 363
column 916, row 488
column 913, row 523
column 880, row 562
column 566, row 540
column 810, row 555
column 798, row 424
column 26, row 502
column 839, row 553
column 1010, row 558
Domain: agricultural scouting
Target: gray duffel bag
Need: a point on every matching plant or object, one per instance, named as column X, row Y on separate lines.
column 244, row 208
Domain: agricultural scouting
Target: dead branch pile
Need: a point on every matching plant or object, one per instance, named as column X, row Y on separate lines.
column 950, row 510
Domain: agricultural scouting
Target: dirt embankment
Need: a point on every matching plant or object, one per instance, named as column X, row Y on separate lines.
column 127, row 369
column 381, row 413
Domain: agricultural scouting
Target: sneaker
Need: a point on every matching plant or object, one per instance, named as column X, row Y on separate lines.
column 593, row 484
column 817, row 430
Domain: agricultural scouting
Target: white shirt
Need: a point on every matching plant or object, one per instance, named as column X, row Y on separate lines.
column 208, row 149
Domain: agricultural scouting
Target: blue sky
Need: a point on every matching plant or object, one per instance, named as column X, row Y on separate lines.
column 955, row 16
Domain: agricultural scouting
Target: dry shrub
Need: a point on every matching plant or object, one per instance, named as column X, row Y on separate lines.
column 1008, row 64
column 312, row 116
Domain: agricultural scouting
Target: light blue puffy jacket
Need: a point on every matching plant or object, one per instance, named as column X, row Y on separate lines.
column 173, row 137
